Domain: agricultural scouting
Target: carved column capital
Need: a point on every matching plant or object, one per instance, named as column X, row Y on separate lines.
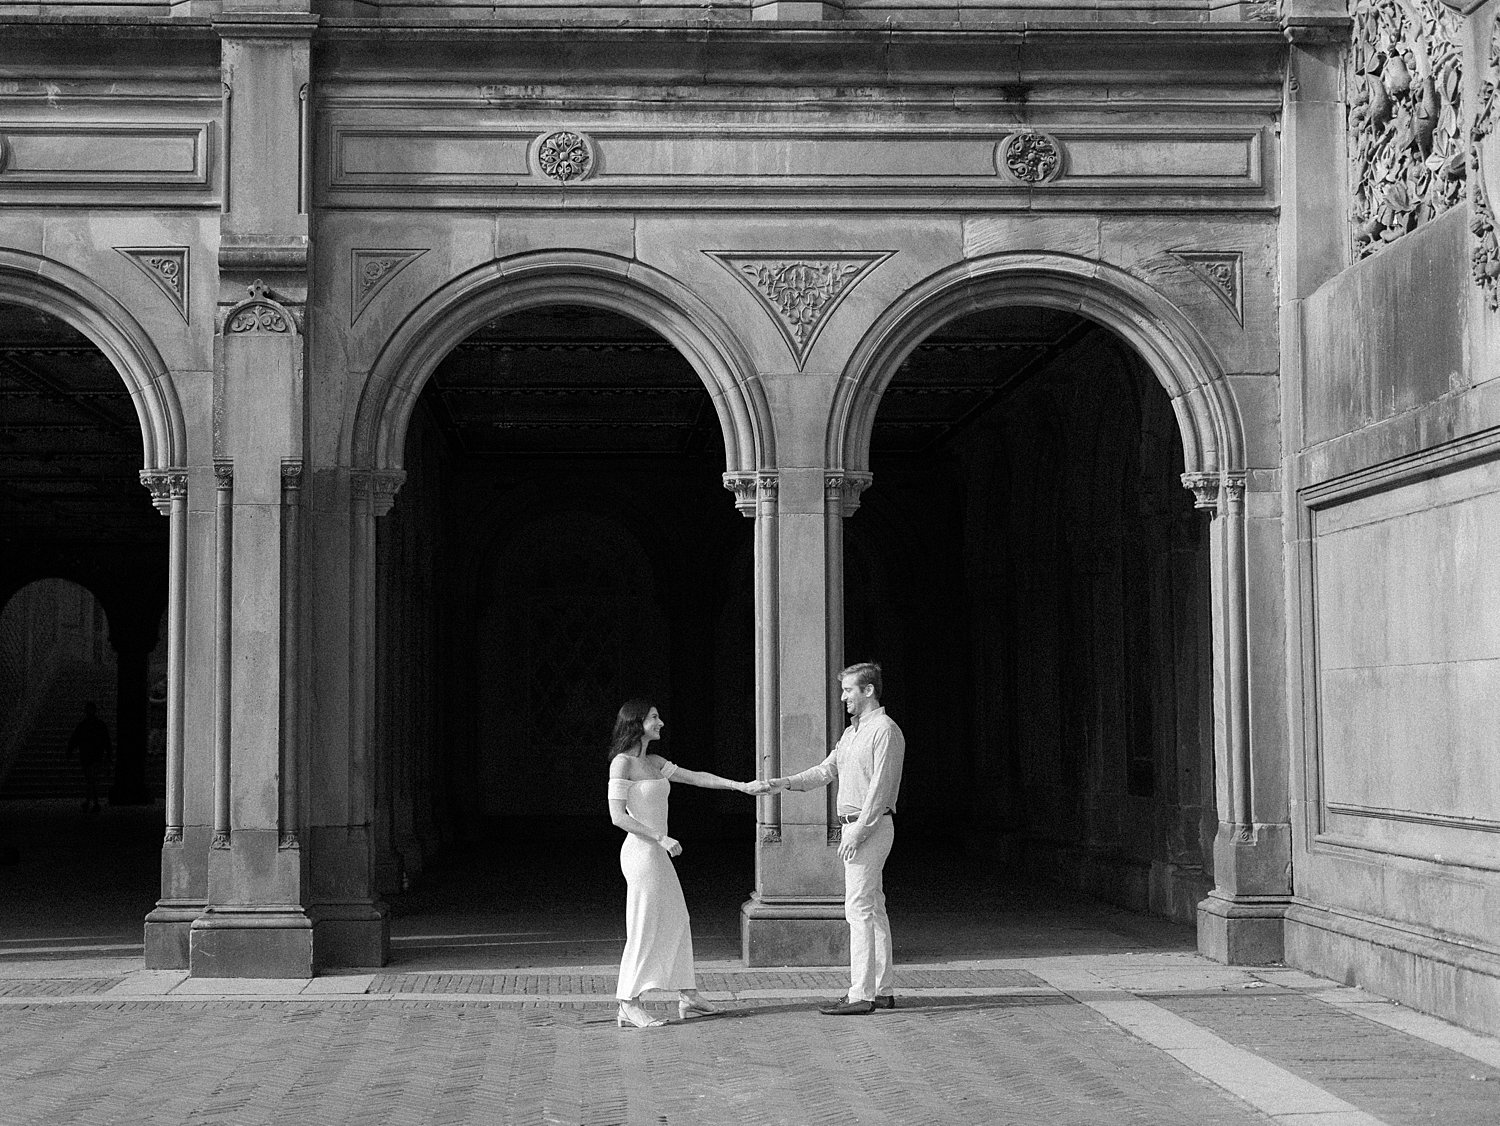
column 843, row 489
column 224, row 475
column 750, row 489
column 1204, row 487
column 1208, row 488
column 384, row 485
column 164, row 485
column 291, row 474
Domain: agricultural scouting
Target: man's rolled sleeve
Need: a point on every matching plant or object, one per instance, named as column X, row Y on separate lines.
column 815, row 776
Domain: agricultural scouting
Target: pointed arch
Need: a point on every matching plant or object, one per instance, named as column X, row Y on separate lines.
column 70, row 296
column 572, row 277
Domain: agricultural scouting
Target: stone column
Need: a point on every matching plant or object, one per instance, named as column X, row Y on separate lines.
column 184, row 872
column 1241, row 921
column 796, row 914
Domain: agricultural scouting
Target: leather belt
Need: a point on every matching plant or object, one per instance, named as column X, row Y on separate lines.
column 849, row 818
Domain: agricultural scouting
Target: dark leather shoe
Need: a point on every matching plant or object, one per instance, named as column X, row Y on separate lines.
column 848, row 1008
column 886, row 1002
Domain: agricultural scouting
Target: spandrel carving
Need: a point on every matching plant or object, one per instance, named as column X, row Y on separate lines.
column 1406, row 138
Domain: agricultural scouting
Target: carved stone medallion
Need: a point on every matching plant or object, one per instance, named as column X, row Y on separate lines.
column 258, row 313
column 1405, row 87
column 1031, row 158
column 370, row 271
column 1221, row 271
column 167, row 267
column 565, row 156
column 800, row 291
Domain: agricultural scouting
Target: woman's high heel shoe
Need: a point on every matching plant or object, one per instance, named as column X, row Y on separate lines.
column 696, row 1005
column 636, row 1017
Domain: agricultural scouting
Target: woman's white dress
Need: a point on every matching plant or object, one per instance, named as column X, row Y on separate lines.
column 658, row 937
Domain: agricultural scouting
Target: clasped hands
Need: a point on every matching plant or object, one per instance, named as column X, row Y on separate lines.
column 847, row 847
column 765, row 786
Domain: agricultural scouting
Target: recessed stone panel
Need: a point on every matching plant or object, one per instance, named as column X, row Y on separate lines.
column 1407, row 610
column 86, row 154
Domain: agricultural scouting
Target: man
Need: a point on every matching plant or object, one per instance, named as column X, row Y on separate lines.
column 867, row 763
column 90, row 742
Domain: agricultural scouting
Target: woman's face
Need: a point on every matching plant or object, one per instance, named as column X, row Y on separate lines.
column 652, row 726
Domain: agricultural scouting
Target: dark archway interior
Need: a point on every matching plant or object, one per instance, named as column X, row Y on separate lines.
column 1033, row 575
column 83, row 575
column 1027, row 566
column 563, row 542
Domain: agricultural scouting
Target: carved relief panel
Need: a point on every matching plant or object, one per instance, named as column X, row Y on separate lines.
column 1406, row 139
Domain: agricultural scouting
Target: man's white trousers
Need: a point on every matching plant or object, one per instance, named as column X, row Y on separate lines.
column 870, row 972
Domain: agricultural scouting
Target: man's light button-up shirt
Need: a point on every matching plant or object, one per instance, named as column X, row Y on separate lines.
column 867, row 762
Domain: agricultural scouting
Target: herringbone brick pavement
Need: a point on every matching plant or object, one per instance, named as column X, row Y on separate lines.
column 987, row 1062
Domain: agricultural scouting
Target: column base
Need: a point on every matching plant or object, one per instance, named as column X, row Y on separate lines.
column 351, row 934
column 269, row 941
column 167, row 932
column 1243, row 930
column 794, row 932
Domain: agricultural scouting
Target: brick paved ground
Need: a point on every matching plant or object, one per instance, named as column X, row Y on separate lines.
column 1018, row 1007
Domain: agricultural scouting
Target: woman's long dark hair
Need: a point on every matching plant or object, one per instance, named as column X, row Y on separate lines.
column 630, row 727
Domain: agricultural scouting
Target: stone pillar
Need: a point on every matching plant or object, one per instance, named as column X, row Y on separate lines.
column 1241, row 921
column 796, row 914
column 256, row 923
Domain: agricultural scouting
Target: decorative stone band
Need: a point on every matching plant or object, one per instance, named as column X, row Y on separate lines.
column 751, row 488
column 164, row 484
column 843, row 489
column 1030, row 157
column 1208, row 487
column 565, row 155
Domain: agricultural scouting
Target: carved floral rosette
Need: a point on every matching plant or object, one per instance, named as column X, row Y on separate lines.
column 565, row 155
column 1030, row 157
column 1407, row 150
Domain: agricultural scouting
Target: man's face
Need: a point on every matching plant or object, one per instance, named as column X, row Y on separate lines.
column 857, row 699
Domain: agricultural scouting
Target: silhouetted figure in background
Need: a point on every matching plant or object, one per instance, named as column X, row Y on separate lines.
column 90, row 742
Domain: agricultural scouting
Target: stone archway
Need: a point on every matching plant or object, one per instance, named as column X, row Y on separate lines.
column 1241, row 919
column 451, row 313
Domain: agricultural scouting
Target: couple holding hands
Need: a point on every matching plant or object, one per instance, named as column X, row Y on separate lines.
column 658, row 938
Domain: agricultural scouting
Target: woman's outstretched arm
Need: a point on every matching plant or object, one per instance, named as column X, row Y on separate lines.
column 710, row 781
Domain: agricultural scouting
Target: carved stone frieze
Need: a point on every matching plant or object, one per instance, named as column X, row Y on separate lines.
column 1030, row 157
column 1405, row 106
column 1222, row 272
column 371, row 270
column 1486, row 253
column 800, row 291
column 164, row 485
column 258, row 313
column 565, row 156
column 167, row 267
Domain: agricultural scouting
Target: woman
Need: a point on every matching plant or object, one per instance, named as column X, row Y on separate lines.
column 658, row 940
